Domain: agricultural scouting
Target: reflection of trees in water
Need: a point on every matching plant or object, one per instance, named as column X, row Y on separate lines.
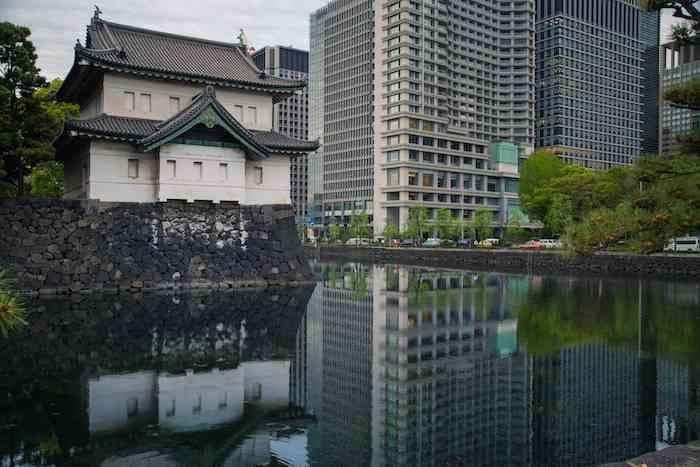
column 558, row 313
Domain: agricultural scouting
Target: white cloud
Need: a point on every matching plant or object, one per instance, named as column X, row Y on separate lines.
column 56, row 24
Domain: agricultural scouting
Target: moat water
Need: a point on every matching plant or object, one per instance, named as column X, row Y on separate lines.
column 373, row 366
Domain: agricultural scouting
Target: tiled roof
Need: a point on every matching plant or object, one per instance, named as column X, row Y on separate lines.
column 124, row 128
column 145, row 51
column 148, row 132
column 274, row 140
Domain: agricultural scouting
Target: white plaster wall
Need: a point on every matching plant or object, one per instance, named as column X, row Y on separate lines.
column 185, row 392
column 109, row 173
column 74, row 187
column 212, row 186
column 275, row 188
column 108, row 397
column 115, row 102
column 271, row 379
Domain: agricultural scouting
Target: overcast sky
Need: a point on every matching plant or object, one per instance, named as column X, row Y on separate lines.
column 56, row 24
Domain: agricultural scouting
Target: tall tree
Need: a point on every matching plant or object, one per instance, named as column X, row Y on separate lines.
column 30, row 117
column 483, row 220
column 444, row 223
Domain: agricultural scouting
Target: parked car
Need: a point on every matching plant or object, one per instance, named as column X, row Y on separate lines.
column 684, row 244
column 431, row 243
column 358, row 242
column 448, row 243
column 465, row 243
column 408, row 243
column 550, row 242
column 395, row 242
column 532, row 245
column 488, row 243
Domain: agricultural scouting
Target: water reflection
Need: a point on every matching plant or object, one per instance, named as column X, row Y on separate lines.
column 376, row 365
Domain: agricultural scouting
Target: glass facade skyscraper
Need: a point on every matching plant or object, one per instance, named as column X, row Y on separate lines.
column 589, row 90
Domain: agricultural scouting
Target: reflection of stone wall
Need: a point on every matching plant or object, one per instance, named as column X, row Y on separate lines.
column 61, row 245
column 534, row 262
column 94, row 334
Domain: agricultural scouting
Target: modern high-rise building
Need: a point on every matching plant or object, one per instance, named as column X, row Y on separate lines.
column 589, row 71
column 414, row 93
column 650, row 36
column 291, row 115
column 681, row 64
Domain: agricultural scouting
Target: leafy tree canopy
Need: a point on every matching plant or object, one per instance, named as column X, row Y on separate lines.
column 30, row 117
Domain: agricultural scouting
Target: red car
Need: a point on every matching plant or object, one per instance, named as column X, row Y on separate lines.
column 532, row 245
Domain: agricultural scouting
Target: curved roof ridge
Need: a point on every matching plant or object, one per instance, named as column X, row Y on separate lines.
column 142, row 30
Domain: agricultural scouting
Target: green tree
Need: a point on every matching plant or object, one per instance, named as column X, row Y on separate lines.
column 359, row 225
column 334, row 232
column 417, row 222
column 46, row 181
column 483, row 220
column 390, row 232
column 514, row 231
column 538, row 171
column 682, row 9
column 462, row 228
column 444, row 223
column 30, row 117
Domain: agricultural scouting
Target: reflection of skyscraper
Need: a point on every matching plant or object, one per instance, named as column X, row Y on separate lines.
column 587, row 406
column 455, row 386
column 419, row 368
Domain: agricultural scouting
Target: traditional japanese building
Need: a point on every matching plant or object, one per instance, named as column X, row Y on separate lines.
column 166, row 117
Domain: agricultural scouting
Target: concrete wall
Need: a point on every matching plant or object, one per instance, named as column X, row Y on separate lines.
column 109, row 173
column 254, row 110
column 212, row 185
column 61, row 245
column 276, row 181
column 110, row 178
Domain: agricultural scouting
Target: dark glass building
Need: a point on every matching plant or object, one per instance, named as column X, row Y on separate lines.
column 650, row 36
column 589, row 72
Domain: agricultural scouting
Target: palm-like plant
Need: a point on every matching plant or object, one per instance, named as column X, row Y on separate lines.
column 12, row 308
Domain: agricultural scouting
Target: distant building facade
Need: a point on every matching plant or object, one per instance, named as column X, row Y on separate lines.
column 650, row 37
column 589, row 72
column 166, row 117
column 413, row 95
column 291, row 115
column 681, row 63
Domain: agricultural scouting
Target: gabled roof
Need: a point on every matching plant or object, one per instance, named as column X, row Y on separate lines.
column 206, row 110
column 163, row 55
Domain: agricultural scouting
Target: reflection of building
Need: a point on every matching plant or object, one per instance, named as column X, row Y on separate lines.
column 587, row 406
column 455, row 385
column 418, row 368
column 185, row 402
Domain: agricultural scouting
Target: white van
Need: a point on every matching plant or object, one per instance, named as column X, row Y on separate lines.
column 684, row 244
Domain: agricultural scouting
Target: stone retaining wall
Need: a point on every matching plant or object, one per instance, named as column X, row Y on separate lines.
column 63, row 246
column 532, row 262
